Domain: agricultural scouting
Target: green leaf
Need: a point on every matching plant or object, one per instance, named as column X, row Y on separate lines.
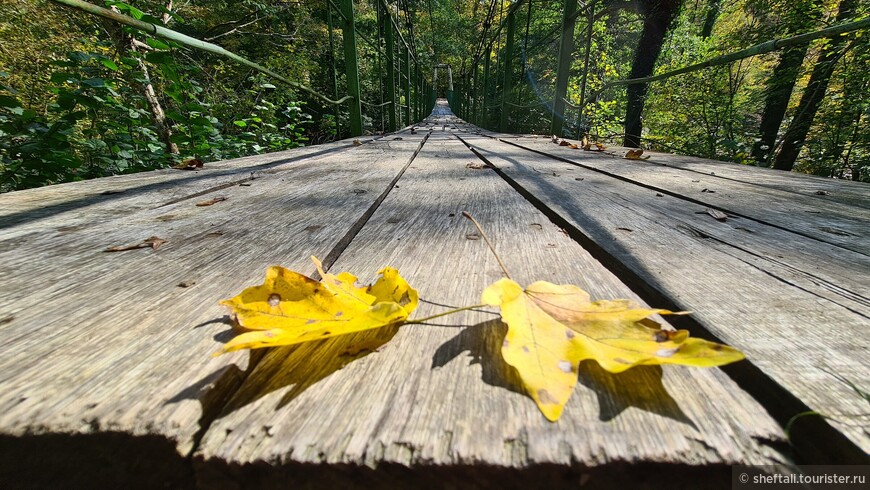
column 268, row 85
column 158, row 58
column 156, row 43
column 8, row 101
column 66, row 101
column 240, row 124
column 109, row 64
column 95, row 82
column 62, row 77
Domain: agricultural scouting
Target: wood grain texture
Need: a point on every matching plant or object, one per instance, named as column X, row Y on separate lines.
column 839, row 190
column 439, row 395
column 798, row 308
column 106, row 364
column 100, row 343
column 76, row 205
column 815, row 216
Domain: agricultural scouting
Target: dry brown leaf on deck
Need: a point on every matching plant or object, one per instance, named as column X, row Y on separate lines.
column 476, row 165
column 635, row 154
column 552, row 328
column 357, row 142
column 211, row 201
column 188, row 164
column 153, row 242
column 719, row 215
column 290, row 308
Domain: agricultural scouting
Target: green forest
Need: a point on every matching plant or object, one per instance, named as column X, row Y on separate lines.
column 83, row 96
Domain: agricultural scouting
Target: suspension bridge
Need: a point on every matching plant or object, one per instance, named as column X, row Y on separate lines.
column 107, row 368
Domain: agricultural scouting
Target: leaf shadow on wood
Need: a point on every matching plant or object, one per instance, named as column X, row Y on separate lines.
column 640, row 387
column 294, row 368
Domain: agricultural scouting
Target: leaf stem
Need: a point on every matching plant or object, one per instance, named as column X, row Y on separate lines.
column 488, row 243
column 448, row 312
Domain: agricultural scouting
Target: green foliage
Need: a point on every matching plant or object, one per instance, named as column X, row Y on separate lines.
column 81, row 97
column 85, row 113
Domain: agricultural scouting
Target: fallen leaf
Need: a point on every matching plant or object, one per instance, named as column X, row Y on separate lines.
column 818, row 193
column 601, row 147
column 476, row 165
column 584, row 142
column 564, row 143
column 289, row 308
column 214, row 200
column 152, row 242
column 635, row 154
column 552, row 328
column 186, row 284
column 573, row 146
column 472, row 236
column 708, row 190
column 719, row 215
column 357, row 142
column 188, row 164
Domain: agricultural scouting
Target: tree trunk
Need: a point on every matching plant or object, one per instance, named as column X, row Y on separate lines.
column 802, row 16
column 158, row 117
column 658, row 15
column 813, row 94
column 713, row 10
column 125, row 43
column 779, row 92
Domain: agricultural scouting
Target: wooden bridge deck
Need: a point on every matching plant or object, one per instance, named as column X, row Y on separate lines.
column 107, row 374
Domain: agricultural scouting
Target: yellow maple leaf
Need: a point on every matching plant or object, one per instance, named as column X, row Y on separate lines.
column 290, row 308
column 552, row 328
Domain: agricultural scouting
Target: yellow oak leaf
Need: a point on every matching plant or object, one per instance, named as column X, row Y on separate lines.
column 552, row 328
column 290, row 308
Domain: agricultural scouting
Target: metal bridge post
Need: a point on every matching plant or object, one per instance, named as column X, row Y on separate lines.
column 407, row 85
column 507, row 64
column 481, row 121
column 566, row 47
column 351, row 67
column 334, row 71
column 421, row 84
column 391, row 70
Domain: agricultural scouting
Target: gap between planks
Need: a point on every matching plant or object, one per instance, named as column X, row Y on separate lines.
column 832, row 237
column 817, row 440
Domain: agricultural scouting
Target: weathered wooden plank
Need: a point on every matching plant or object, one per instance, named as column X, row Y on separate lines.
column 812, row 215
column 438, row 399
column 77, row 204
column 797, row 307
column 839, row 190
column 108, row 346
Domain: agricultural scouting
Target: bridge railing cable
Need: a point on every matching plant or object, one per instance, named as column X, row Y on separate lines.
column 492, row 100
